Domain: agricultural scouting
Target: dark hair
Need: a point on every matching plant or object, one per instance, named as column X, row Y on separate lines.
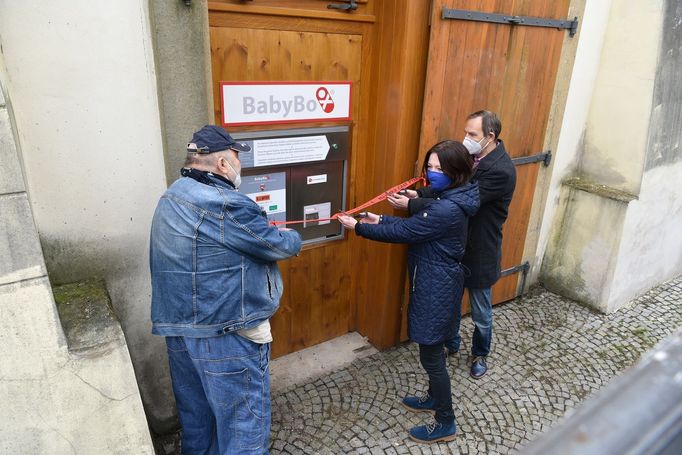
column 455, row 161
column 489, row 122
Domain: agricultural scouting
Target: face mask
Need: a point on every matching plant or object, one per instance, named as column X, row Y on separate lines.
column 438, row 180
column 238, row 179
column 474, row 147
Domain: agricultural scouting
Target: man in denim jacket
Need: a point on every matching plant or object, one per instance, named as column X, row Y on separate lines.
column 215, row 285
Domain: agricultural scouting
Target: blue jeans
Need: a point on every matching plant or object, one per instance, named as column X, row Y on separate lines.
column 432, row 359
column 482, row 315
column 222, row 391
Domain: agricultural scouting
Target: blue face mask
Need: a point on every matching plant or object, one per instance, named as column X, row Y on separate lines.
column 438, row 180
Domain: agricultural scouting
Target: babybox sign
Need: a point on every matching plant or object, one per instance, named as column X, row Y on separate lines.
column 254, row 103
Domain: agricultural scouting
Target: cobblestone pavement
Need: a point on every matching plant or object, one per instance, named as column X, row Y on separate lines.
column 549, row 354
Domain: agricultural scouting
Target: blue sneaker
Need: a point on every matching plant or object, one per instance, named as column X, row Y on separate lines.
column 478, row 367
column 420, row 403
column 433, row 432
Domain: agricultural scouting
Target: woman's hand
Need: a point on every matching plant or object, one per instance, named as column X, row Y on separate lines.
column 371, row 218
column 347, row 221
column 398, row 201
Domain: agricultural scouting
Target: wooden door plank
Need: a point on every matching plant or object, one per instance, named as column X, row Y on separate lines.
column 399, row 58
column 436, row 68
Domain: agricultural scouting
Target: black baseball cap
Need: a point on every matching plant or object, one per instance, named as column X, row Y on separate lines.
column 212, row 138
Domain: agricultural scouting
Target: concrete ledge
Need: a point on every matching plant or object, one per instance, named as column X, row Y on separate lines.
column 53, row 401
column 11, row 179
column 308, row 364
column 32, row 340
column 22, row 257
column 599, row 190
column 86, row 315
column 86, row 406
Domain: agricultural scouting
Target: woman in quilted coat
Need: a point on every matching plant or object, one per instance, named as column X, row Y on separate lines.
column 436, row 236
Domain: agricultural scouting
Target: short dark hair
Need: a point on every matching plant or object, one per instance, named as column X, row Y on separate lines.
column 455, row 161
column 489, row 122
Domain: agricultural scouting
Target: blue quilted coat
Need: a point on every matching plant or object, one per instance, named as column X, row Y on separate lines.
column 437, row 238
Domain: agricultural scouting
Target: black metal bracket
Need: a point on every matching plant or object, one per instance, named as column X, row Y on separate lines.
column 546, row 158
column 351, row 5
column 523, row 268
column 462, row 14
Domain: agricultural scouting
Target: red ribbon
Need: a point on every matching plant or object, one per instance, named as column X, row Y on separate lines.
column 374, row 200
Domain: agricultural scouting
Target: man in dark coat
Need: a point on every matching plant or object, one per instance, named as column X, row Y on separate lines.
column 496, row 177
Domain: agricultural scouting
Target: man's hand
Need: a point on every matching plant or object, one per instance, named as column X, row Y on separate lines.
column 398, row 201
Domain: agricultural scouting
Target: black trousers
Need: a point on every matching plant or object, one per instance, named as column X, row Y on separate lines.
column 432, row 358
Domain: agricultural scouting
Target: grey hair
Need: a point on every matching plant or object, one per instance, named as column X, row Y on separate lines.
column 204, row 161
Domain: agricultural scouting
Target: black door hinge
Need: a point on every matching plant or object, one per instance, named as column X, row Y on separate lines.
column 523, row 268
column 546, row 158
column 466, row 15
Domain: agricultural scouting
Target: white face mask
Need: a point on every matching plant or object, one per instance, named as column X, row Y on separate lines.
column 474, row 147
column 238, row 178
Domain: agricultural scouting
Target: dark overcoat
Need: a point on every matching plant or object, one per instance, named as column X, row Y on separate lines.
column 496, row 177
column 436, row 235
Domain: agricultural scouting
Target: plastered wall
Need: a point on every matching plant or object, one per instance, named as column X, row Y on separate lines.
column 651, row 249
column 82, row 81
column 571, row 130
column 627, row 165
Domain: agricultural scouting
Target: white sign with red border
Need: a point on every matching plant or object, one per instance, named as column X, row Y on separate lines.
column 258, row 103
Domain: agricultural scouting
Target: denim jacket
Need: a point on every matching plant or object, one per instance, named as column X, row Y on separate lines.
column 212, row 258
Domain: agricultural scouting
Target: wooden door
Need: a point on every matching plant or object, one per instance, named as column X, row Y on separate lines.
column 316, row 305
column 503, row 68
